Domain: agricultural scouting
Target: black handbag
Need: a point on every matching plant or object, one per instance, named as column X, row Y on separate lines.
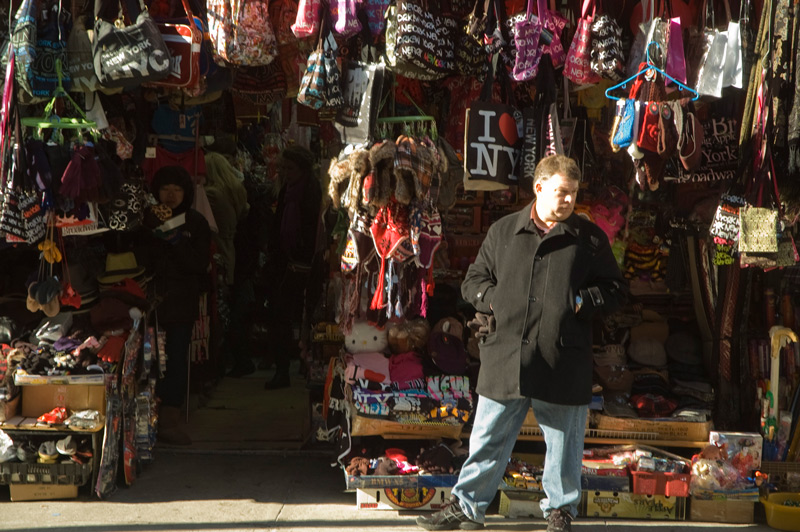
column 127, row 56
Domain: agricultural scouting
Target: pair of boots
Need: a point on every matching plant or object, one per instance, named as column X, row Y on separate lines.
column 169, row 427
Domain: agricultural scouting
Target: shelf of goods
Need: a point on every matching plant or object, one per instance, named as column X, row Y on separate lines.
column 40, row 394
column 621, row 431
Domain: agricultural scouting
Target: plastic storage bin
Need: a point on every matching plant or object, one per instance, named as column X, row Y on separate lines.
column 779, row 516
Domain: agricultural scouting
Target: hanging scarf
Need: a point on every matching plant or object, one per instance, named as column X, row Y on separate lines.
column 781, row 71
column 794, row 120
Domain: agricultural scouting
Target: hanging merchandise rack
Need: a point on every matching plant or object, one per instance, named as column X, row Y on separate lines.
column 52, row 120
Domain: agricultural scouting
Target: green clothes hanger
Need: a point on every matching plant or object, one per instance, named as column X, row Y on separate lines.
column 52, row 120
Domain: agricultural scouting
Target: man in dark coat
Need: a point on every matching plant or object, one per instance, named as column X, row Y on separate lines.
column 539, row 278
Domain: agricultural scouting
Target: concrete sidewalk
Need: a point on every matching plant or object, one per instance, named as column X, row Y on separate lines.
column 247, row 491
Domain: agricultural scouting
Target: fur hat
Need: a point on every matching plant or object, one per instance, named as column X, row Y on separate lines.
column 359, row 167
column 378, row 183
column 339, row 172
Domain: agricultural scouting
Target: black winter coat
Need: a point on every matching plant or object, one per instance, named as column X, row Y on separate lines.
column 542, row 348
column 180, row 269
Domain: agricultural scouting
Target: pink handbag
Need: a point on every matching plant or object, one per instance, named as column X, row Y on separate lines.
column 555, row 23
column 345, row 18
column 578, row 68
column 676, row 60
column 308, row 18
column 526, row 40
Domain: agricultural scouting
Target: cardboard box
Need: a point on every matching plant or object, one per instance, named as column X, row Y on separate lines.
column 666, row 430
column 42, row 398
column 611, row 504
column 516, row 504
column 425, row 498
column 605, row 483
column 401, row 481
column 42, row 492
column 721, row 511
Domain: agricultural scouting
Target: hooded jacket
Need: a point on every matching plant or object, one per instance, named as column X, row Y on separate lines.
column 541, row 347
column 179, row 261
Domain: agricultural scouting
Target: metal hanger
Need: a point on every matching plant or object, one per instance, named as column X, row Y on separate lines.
column 650, row 67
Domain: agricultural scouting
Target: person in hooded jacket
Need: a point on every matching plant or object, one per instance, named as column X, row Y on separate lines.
column 179, row 260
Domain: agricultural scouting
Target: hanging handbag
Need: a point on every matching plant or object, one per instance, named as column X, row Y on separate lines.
column 308, row 18
column 607, row 56
column 398, row 63
column 526, row 41
column 312, row 87
column 334, row 99
column 52, row 26
column 676, row 60
column 362, row 90
column 345, row 18
column 80, row 64
column 623, row 137
column 23, row 39
column 127, row 56
column 184, row 40
column 710, row 74
column 578, row 67
column 492, row 141
column 261, row 85
column 732, row 67
column 375, row 12
column 425, row 38
column 241, row 32
column 554, row 23
column 471, row 56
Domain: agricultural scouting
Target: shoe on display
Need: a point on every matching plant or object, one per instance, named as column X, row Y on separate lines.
column 67, row 446
column 559, row 520
column 27, row 453
column 47, row 452
column 450, row 517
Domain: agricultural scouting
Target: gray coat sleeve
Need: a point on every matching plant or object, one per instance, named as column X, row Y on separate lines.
column 481, row 279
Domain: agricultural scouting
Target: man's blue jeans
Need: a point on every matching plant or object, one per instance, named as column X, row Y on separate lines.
column 496, row 427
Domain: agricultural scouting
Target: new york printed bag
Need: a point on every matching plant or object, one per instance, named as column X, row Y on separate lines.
column 127, row 56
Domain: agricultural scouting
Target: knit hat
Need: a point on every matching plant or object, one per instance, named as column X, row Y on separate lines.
column 390, row 233
column 413, row 169
column 174, row 175
column 359, row 169
column 648, row 352
column 446, row 346
column 430, row 236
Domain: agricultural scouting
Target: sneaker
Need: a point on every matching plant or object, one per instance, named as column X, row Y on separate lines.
column 451, row 517
column 559, row 521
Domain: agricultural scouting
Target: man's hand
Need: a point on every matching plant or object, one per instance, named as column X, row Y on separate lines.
column 482, row 324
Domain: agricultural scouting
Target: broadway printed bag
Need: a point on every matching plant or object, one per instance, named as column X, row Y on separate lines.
column 127, row 56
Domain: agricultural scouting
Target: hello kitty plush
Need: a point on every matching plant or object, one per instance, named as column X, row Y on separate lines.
column 366, row 361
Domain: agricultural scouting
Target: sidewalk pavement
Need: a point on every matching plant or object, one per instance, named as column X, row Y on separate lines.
column 288, row 491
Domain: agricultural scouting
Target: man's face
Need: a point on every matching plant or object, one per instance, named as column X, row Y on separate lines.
column 555, row 198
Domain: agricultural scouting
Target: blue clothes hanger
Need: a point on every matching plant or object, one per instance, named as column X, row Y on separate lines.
column 650, row 67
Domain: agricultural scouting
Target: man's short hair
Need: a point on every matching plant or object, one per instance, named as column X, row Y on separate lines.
column 556, row 164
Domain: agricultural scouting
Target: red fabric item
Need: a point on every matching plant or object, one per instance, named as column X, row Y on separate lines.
column 56, row 416
column 165, row 157
column 112, row 349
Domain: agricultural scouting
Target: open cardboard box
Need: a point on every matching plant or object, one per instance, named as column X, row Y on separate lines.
column 42, row 398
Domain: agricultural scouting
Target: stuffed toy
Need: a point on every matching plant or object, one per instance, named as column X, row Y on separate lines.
column 408, row 335
column 364, row 338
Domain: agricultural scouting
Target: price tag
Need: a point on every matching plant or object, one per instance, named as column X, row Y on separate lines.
column 150, row 152
column 182, row 121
